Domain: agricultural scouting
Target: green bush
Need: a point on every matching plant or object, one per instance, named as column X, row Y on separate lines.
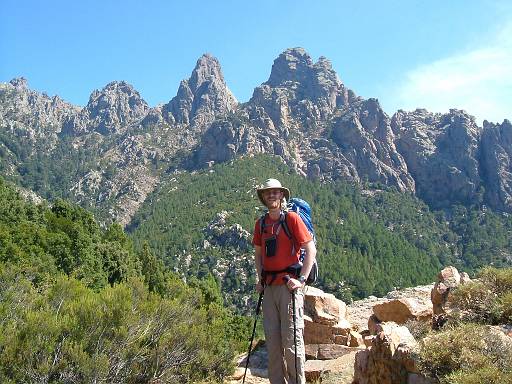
column 79, row 305
column 505, row 303
column 475, row 302
column 487, row 375
column 498, row 280
column 465, row 350
column 486, row 300
column 70, row 333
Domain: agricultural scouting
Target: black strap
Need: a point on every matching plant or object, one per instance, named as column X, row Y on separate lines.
column 286, row 229
column 293, row 269
column 282, row 222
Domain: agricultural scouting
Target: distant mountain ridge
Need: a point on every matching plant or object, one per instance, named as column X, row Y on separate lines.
column 303, row 113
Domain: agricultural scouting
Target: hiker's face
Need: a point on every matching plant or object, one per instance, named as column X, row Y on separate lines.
column 272, row 198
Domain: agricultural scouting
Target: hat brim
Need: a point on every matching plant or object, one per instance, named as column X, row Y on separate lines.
column 285, row 191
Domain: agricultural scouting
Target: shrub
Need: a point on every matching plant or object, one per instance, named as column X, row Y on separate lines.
column 419, row 329
column 475, row 302
column 487, row 375
column 505, row 303
column 466, row 350
column 498, row 280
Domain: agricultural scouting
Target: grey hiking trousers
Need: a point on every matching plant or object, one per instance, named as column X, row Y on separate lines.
column 278, row 326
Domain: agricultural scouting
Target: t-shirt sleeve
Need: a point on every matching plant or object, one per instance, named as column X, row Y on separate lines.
column 256, row 239
column 299, row 229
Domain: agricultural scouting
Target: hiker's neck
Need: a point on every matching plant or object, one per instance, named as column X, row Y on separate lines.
column 274, row 213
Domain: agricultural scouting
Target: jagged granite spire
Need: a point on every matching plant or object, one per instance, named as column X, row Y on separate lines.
column 202, row 97
column 300, row 89
column 114, row 108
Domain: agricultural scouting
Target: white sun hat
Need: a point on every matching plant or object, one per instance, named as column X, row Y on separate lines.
column 272, row 184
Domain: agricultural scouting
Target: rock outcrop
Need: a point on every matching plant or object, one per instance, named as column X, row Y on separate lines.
column 447, row 280
column 201, row 98
column 219, row 233
column 110, row 110
column 391, row 352
column 496, row 164
column 27, row 113
column 389, row 360
column 306, row 115
column 440, row 150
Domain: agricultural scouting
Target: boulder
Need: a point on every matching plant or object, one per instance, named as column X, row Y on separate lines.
column 323, row 308
column 401, row 310
column 449, row 276
column 448, row 279
column 315, row 333
column 390, row 358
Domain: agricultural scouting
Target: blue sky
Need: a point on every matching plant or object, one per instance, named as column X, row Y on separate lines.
column 431, row 54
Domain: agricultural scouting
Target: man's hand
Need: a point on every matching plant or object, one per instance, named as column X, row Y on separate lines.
column 259, row 287
column 292, row 284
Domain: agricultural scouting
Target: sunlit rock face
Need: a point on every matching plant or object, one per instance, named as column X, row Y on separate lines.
column 496, row 155
column 442, row 155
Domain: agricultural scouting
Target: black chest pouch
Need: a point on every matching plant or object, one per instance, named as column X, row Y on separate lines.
column 271, row 246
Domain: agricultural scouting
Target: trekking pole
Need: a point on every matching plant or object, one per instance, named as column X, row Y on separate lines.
column 295, row 336
column 286, row 279
column 253, row 332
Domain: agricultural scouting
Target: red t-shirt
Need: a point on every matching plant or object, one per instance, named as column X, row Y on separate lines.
column 284, row 256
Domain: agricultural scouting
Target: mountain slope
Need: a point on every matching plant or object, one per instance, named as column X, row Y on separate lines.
column 369, row 240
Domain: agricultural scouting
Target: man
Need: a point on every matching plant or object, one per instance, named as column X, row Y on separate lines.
column 275, row 252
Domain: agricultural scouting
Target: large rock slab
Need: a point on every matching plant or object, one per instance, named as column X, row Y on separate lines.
column 402, row 310
column 315, row 333
column 327, row 351
column 323, row 308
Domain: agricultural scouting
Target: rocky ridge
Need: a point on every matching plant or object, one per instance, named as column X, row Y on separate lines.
column 302, row 113
column 380, row 347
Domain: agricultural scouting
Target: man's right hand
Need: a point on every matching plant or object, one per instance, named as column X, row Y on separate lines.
column 259, row 287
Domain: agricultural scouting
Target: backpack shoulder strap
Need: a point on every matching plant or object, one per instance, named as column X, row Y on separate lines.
column 285, row 226
column 262, row 223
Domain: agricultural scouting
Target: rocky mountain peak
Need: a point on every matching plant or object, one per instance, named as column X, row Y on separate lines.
column 26, row 112
column 291, row 65
column 201, row 98
column 295, row 68
column 299, row 89
column 19, row 83
column 111, row 109
column 207, row 69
